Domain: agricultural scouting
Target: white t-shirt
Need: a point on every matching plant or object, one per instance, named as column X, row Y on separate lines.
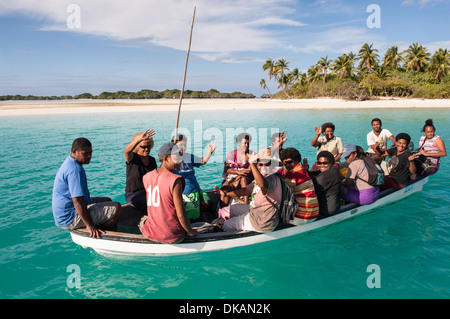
column 382, row 138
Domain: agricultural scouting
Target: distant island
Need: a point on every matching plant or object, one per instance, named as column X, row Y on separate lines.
column 142, row 94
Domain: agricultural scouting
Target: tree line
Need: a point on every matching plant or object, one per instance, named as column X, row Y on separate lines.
column 413, row 72
column 142, row 94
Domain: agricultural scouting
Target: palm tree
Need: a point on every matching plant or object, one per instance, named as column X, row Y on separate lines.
column 368, row 57
column 294, row 76
column 270, row 65
column 264, row 86
column 324, row 64
column 392, row 57
column 281, row 66
column 343, row 65
column 314, row 73
column 417, row 57
column 440, row 64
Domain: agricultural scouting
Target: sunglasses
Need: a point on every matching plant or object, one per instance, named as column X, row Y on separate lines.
column 288, row 162
column 145, row 146
column 264, row 164
column 323, row 163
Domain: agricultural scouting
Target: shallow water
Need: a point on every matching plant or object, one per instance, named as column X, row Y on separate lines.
column 408, row 240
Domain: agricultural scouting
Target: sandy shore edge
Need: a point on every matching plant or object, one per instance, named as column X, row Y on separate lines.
column 18, row 108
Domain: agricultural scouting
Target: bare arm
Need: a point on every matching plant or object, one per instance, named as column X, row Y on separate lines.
column 181, row 211
column 81, row 207
column 211, row 149
column 259, row 179
column 135, row 142
column 441, row 147
column 318, row 132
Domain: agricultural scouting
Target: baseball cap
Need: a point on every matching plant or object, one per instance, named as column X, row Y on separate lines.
column 168, row 149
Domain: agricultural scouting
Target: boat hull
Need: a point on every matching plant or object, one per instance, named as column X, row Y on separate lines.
column 113, row 243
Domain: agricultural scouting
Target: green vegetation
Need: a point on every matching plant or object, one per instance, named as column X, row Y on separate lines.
column 411, row 73
column 142, row 94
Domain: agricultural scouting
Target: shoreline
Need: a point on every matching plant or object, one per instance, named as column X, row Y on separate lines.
column 22, row 108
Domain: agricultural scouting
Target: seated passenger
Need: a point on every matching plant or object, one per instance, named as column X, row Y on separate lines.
column 166, row 220
column 194, row 198
column 432, row 149
column 355, row 188
column 139, row 162
column 401, row 163
column 72, row 205
column 277, row 140
column 265, row 191
column 378, row 137
column 327, row 185
column 296, row 176
column 237, row 173
column 328, row 142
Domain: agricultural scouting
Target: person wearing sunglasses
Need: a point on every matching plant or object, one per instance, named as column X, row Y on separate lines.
column 265, row 193
column 327, row 184
column 138, row 163
column 296, row 176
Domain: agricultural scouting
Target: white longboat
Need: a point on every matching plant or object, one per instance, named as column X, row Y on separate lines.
column 135, row 244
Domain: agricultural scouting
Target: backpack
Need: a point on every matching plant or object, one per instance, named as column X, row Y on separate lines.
column 376, row 173
column 288, row 204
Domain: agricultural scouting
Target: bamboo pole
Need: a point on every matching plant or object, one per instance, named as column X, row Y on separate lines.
column 184, row 77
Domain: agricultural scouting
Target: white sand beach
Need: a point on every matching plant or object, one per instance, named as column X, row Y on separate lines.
column 18, row 108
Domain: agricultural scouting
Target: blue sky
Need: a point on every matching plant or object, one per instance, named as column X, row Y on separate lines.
column 141, row 44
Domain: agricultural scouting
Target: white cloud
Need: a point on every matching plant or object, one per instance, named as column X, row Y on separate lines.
column 338, row 40
column 421, row 3
column 220, row 25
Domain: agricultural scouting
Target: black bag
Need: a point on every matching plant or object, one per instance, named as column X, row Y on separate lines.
column 376, row 173
column 424, row 166
column 288, row 205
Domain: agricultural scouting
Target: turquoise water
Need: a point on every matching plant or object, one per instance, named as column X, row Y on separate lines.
column 408, row 240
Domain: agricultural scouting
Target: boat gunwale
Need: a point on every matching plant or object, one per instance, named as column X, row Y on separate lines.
column 222, row 236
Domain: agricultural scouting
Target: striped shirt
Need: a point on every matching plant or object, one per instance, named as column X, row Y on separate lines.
column 308, row 205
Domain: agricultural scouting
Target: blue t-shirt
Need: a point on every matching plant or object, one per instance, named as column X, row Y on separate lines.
column 70, row 181
column 187, row 171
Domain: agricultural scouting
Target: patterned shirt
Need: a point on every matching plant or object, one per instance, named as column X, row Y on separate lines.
column 299, row 180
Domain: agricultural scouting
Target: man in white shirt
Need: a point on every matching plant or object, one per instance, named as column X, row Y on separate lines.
column 378, row 137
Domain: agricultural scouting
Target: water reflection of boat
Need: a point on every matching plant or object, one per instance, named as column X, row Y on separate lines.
column 129, row 242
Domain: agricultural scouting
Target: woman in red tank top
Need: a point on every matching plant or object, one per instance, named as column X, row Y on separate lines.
column 166, row 220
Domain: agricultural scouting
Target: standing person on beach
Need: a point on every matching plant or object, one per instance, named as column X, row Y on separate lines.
column 194, row 198
column 139, row 162
column 166, row 220
column 72, row 205
column 378, row 137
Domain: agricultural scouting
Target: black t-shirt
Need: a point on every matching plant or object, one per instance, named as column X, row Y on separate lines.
column 400, row 173
column 327, row 186
column 135, row 171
